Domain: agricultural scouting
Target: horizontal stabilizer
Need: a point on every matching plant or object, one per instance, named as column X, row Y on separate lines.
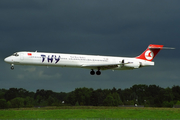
column 152, row 48
column 167, row 48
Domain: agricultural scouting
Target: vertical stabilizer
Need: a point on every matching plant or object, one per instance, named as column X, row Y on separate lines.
column 150, row 52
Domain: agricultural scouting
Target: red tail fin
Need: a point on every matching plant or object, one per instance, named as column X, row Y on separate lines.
column 150, row 52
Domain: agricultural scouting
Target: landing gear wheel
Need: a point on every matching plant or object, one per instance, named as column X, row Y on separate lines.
column 98, row 72
column 92, row 72
column 12, row 67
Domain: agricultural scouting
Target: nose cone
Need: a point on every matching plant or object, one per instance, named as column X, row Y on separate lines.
column 8, row 60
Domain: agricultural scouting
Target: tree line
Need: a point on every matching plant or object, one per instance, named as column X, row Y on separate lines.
column 147, row 95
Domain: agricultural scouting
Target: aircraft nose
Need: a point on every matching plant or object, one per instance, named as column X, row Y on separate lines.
column 8, row 60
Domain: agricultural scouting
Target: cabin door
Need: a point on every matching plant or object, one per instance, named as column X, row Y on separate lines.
column 22, row 56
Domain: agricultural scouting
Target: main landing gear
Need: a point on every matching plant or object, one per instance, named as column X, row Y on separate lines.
column 97, row 72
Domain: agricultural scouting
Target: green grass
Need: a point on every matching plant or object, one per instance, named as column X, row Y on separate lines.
column 90, row 113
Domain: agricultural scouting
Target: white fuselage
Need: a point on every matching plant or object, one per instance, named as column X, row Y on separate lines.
column 76, row 60
column 86, row 61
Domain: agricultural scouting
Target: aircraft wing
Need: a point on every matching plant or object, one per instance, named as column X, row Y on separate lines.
column 102, row 66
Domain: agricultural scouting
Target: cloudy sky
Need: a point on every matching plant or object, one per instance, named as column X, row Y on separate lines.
column 99, row 27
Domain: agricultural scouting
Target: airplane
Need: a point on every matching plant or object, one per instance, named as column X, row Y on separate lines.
column 93, row 62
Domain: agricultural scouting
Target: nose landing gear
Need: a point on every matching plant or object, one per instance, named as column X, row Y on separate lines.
column 12, row 66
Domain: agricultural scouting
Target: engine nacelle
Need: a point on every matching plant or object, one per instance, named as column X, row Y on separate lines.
column 132, row 64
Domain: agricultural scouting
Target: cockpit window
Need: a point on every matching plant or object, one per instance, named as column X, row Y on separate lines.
column 15, row 54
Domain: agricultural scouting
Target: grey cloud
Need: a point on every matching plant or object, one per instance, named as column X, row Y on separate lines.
column 118, row 28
